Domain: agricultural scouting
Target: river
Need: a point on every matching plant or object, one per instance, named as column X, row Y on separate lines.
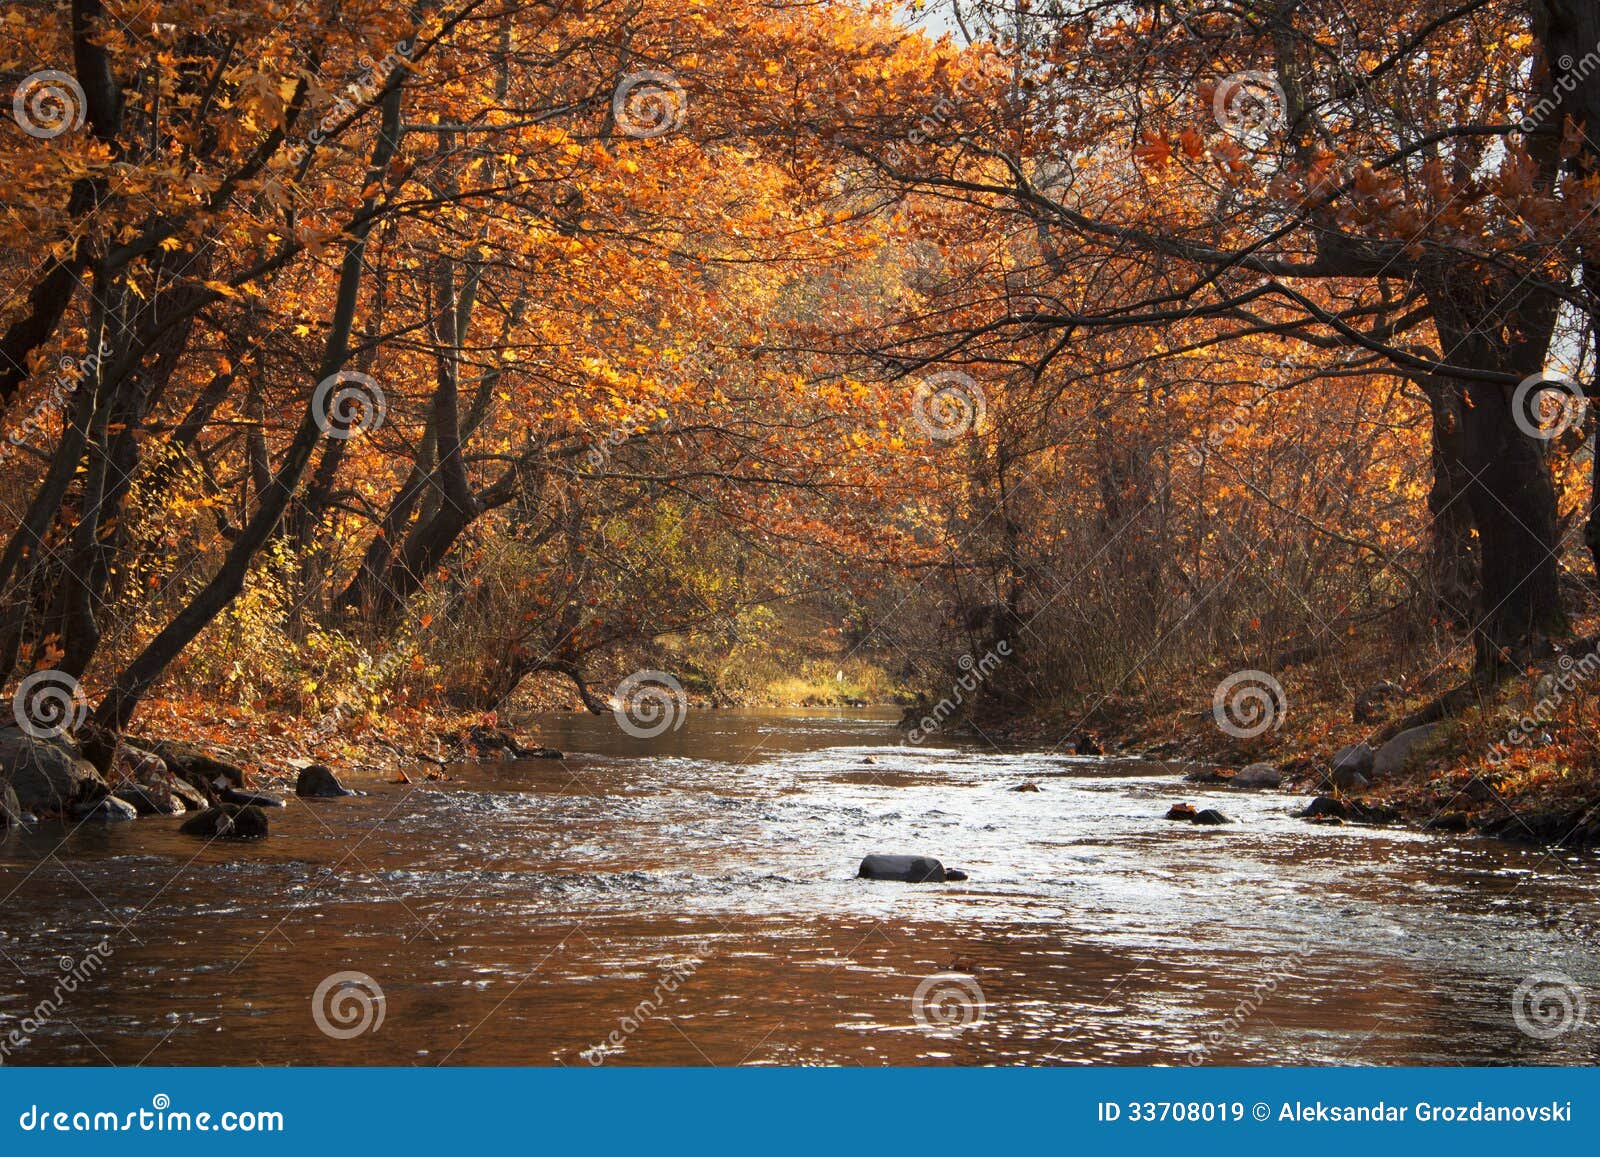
column 691, row 900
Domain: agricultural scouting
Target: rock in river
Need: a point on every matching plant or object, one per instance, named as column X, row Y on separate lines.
column 1210, row 817
column 228, row 822
column 906, row 869
column 110, row 810
column 318, row 780
column 248, row 798
column 149, row 801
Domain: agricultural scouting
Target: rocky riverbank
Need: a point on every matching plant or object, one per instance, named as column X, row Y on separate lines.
column 92, row 775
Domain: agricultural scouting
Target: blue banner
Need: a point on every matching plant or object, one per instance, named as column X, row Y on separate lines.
column 801, row 1111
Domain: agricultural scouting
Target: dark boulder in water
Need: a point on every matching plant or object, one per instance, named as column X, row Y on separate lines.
column 1210, row 817
column 248, row 798
column 227, row 822
column 108, row 809
column 905, row 869
column 149, row 801
column 319, row 781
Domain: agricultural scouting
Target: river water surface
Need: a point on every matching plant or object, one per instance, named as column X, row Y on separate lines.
column 691, row 900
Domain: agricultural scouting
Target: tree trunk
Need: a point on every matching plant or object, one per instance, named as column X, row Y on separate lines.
column 136, row 679
column 1451, row 553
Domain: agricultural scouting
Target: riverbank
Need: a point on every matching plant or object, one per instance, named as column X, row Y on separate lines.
column 1518, row 759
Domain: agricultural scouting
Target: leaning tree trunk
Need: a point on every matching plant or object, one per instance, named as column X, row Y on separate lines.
column 135, row 680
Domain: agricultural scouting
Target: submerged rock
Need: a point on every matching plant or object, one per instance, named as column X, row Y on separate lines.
column 227, row 822
column 1210, row 817
column 1324, row 806
column 319, row 781
column 109, row 810
column 905, row 869
column 248, row 798
column 149, row 801
column 1024, row 787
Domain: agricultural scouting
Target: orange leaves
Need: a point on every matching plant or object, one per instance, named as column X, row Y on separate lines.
column 1153, row 150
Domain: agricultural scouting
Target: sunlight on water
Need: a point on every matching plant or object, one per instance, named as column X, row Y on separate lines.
column 691, row 900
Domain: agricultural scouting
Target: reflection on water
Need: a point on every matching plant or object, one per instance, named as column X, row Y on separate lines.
column 691, row 900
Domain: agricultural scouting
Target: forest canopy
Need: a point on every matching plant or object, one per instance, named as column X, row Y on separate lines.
column 356, row 355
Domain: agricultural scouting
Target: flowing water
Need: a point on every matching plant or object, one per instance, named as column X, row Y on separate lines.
column 692, row 900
